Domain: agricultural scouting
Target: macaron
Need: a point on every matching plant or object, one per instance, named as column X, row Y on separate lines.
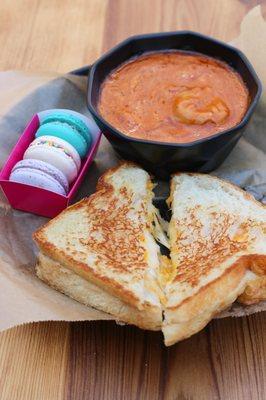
column 69, row 128
column 71, row 120
column 40, row 174
column 56, row 152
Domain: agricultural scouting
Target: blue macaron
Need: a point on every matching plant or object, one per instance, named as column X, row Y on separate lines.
column 65, row 132
column 71, row 120
column 68, row 127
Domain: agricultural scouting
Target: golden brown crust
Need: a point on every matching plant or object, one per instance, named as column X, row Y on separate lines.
column 236, row 271
column 257, row 264
column 131, row 258
column 211, row 251
column 216, row 247
column 255, row 291
column 196, row 311
column 71, row 284
column 83, row 269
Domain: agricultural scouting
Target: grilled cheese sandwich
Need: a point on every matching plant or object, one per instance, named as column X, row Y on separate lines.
column 107, row 240
column 103, row 251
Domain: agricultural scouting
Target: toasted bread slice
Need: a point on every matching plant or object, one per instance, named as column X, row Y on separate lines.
column 89, row 294
column 217, row 239
column 106, row 242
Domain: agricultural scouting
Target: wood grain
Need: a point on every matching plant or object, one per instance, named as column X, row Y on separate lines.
column 50, row 35
column 100, row 360
column 33, row 361
column 221, row 18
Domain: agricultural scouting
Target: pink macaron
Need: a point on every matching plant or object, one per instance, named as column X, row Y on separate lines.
column 40, row 174
column 56, row 152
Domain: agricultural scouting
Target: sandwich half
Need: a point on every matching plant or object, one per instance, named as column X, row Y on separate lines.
column 217, row 237
column 102, row 252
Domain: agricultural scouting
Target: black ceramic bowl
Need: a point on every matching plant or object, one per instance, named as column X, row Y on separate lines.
column 162, row 158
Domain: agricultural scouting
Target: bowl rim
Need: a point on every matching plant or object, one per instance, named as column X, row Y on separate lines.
column 117, row 133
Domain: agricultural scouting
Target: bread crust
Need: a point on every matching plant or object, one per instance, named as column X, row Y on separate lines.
column 79, row 289
column 196, row 311
column 82, row 268
column 255, row 290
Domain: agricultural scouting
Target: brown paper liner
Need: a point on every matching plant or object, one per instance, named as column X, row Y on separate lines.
column 23, row 297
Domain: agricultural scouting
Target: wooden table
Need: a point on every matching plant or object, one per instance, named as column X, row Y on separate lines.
column 54, row 361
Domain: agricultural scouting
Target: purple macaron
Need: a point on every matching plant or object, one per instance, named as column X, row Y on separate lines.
column 41, row 174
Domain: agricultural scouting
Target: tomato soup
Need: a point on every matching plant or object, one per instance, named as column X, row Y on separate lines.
column 173, row 96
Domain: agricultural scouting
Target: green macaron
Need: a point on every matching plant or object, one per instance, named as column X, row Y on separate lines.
column 71, row 120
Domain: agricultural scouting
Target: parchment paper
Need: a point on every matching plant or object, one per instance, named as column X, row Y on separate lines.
column 23, row 297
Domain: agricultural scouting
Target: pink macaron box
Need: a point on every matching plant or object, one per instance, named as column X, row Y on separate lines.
column 37, row 200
